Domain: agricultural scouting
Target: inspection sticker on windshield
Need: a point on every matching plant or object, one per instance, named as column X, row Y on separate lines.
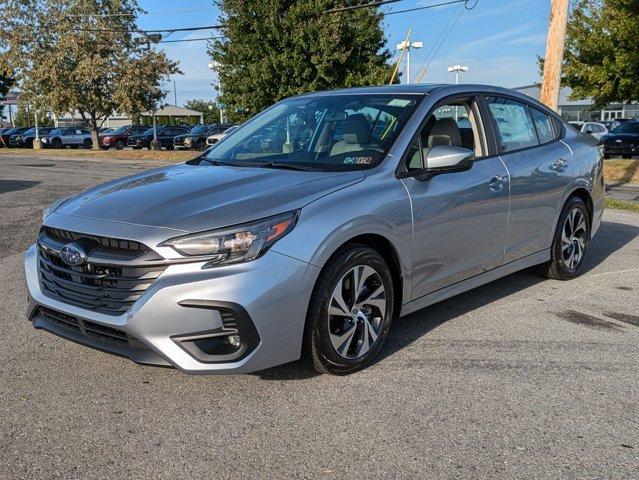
column 358, row 160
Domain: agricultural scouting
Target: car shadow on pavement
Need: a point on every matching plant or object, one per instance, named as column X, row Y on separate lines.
column 16, row 185
column 611, row 237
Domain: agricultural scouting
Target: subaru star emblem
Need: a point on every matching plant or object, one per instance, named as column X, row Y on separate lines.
column 72, row 254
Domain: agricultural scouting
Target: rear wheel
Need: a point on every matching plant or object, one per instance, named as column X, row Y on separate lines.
column 169, row 147
column 56, row 143
column 350, row 312
column 570, row 244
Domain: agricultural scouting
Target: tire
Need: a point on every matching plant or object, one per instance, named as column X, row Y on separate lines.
column 606, row 156
column 56, row 143
column 201, row 145
column 328, row 346
column 119, row 144
column 87, row 143
column 626, row 156
column 570, row 239
column 169, row 147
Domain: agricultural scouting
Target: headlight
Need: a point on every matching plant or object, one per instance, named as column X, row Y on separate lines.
column 235, row 244
column 187, row 141
column 51, row 208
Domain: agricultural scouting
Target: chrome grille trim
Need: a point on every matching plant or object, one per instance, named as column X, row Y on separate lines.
column 110, row 281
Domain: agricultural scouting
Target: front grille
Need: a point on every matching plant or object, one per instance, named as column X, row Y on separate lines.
column 115, row 275
column 94, row 330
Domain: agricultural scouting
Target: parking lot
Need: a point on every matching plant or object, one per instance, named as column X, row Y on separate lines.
column 521, row 378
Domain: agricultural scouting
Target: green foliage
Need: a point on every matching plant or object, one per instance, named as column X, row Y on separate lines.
column 207, row 107
column 25, row 117
column 602, row 51
column 81, row 56
column 5, row 84
column 272, row 49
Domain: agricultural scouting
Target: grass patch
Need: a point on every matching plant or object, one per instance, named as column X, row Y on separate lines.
column 621, row 205
column 163, row 155
column 621, row 171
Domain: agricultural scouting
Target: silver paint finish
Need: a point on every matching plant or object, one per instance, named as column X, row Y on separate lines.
column 450, row 233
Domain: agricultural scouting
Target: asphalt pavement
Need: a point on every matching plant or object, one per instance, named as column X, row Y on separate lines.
column 521, row 378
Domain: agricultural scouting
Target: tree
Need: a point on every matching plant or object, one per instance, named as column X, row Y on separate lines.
column 272, row 49
column 209, row 108
column 602, row 51
column 25, row 116
column 5, row 84
column 82, row 56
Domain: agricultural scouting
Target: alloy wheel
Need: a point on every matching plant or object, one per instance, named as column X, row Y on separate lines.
column 356, row 311
column 573, row 239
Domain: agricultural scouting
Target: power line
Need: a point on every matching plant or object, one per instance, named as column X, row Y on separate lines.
column 189, row 40
column 365, row 5
column 425, row 7
column 159, row 30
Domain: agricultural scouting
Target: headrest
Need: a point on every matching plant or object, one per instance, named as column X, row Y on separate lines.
column 444, row 132
column 356, row 129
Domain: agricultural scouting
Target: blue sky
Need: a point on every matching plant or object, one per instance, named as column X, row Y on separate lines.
column 499, row 40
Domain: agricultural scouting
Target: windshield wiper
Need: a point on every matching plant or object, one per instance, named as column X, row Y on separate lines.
column 286, row 166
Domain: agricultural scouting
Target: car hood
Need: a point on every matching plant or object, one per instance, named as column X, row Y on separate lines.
column 193, row 198
column 620, row 136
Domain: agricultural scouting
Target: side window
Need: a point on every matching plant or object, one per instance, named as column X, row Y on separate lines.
column 543, row 126
column 515, row 129
column 455, row 123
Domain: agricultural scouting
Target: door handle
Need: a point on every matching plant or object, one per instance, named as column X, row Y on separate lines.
column 496, row 183
column 559, row 165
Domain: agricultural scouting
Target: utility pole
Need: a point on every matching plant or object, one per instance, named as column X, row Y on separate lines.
column 555, row 43
column 174, row 94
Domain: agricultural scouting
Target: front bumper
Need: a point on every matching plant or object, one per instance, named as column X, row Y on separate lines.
column 273, row 292
column 621, row 149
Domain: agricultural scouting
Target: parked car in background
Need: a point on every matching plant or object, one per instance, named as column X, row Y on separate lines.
column 213, row 139
column 269, row 247
column 165, row 134
column 72, row 137
column 623, row 141
column 105, row 130
column 25, row 140
column 577, row 124
column 8, row 137
column 196, row 138
column 595, row 129
column 119, row 137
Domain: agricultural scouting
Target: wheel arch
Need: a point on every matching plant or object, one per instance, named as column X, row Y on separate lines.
column 585, row 195
column 389, row 253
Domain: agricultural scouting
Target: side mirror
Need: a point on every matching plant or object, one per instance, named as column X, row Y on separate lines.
column 445, row 158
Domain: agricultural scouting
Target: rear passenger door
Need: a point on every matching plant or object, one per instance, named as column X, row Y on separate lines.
column 538, row 162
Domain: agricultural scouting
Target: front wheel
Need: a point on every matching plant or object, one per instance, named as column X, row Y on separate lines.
column 119, row 144
column 570, row 243
column 350, row 312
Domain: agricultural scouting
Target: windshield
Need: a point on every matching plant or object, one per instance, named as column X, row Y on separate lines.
column 56, row 131
column 29, row 132
column 150, row 131
column 328, row 133
column 202, row 129
column 628, row 127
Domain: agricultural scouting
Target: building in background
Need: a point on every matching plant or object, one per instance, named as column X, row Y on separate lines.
column 582, row 110
column 168, row 115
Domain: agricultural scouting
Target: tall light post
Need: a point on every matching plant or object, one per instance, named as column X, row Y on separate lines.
column 407, row 45
column 214, row 66
column 457, row 69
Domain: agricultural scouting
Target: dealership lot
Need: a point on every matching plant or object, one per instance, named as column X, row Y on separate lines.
column 522, row 378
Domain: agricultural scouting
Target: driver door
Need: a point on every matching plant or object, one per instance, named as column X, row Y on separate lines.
column 460, row 218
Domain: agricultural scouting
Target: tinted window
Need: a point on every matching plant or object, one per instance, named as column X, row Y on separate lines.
column 627, row 127
column 514, row 126
column 543, row 126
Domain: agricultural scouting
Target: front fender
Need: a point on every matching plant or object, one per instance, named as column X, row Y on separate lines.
column 377, row 205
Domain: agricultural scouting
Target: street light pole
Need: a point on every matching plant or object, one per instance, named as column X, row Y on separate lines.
column 407, row 45
column 457, row 69
column 214, row 66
